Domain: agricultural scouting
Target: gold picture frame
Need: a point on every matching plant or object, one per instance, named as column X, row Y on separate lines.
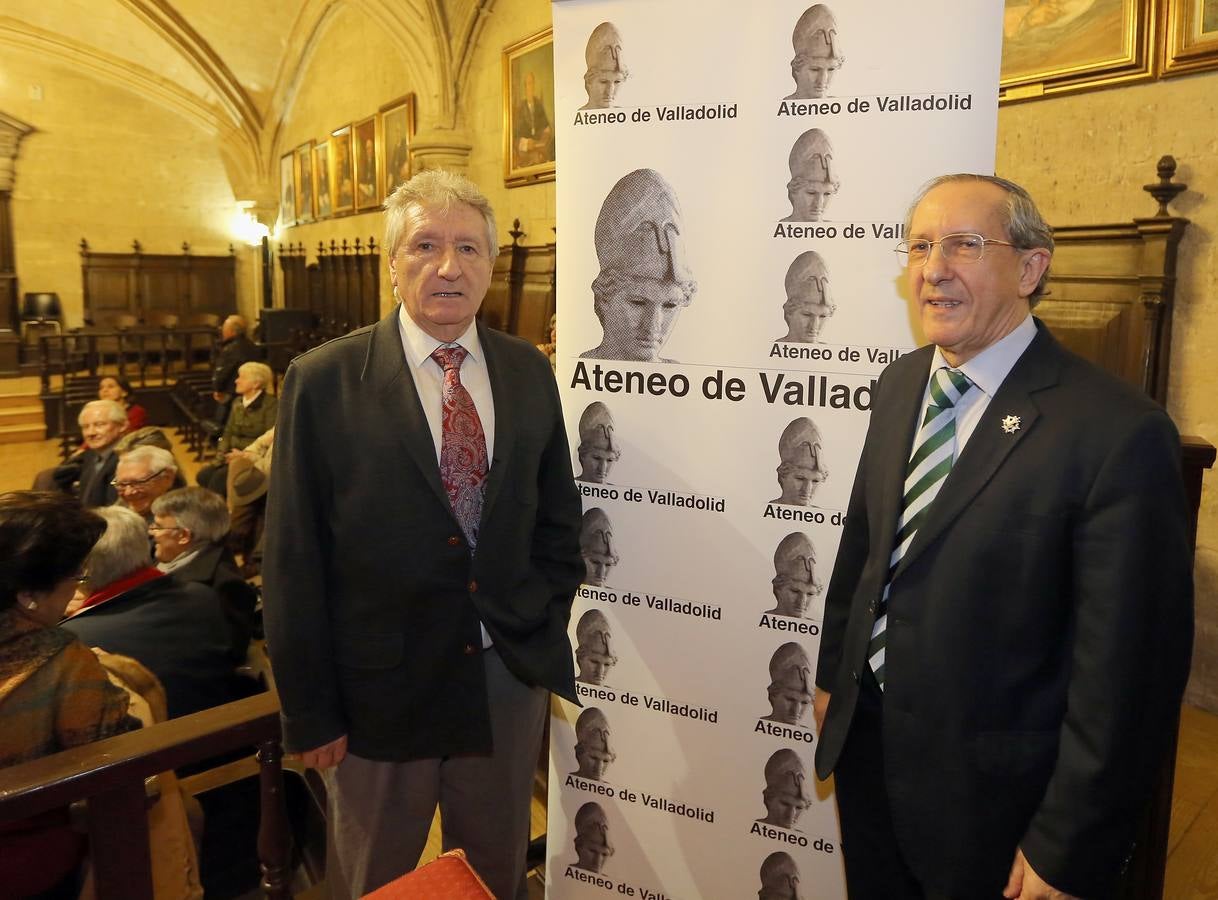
column 287, row 190
column 1190, row 36
column 528, row 105
column 323, row 205
column 397, row 123
column 342, row 171
column 303, row 164
column 367, row 178
column 1076, row 45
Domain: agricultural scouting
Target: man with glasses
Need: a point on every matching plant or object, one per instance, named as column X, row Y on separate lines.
column 1008, row 626
column 142, row 475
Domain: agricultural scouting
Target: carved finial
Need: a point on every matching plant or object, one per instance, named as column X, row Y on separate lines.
column 357, row 246
column 84, row 247
column 321, row 248
column 333, row 246
column 186, row 248
column 232, row 251
column 516, row 233
column 345, row 250
column 135, row 246
column 371, row 245
column 1166, row 190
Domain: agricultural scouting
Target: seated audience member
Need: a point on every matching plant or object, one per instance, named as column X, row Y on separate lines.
column 149, row 436
column 53, row 691
column 189, row 528
column 252, row 413
column 143, row 474
column 88, row 471
column 118, row 389
column 177, row 630
column 248, row 477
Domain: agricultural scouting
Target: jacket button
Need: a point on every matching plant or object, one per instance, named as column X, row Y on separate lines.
column 454, row 541
column 469, row 649
column 473, row 586
column 854, row 676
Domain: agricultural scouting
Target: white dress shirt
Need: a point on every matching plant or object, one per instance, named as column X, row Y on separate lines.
column 429, row 378
column 987, row 370
column 429, row 382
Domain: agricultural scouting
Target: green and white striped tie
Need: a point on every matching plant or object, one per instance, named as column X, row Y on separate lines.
column 934, row 452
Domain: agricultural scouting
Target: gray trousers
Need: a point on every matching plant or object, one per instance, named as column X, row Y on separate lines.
column 379, row 813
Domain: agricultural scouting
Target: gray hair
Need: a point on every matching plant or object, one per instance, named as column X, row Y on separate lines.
column 1024, row 224
column 121, row 549
column 436, row 189
column 113, row 409
column 260, row 372
column 157, row 459
column 201, row 512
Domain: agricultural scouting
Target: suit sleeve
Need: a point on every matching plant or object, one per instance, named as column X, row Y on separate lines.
column 847, row 567
column 1133, row 623
column 295, row 574
column 555, row 551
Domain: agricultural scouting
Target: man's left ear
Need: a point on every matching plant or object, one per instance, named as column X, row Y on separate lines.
column 185, row 537
column 1035, row 263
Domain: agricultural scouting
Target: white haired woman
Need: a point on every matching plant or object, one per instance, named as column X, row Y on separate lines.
column 252, row 413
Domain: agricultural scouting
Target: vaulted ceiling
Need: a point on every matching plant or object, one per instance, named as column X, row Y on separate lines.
column 233, row 68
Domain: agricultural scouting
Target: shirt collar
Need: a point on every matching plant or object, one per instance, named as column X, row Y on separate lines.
column 250, row 402
column 178, row 561
column 989, row 368
column 419, row 345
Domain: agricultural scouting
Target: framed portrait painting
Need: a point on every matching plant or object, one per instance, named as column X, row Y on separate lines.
column 397, row 129
column 367, row 193
column 1072, row 45
column 304, row 182
column 321, row 180
column 528, row 103
column 1191, row 36
column 287, row 191
column 342, row 170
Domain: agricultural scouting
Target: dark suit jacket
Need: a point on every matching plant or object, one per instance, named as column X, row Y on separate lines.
column 371, row 598
column 91, row 473
column 216, row 568
column 232, row 354
column 176, row 630
column 1039, row 626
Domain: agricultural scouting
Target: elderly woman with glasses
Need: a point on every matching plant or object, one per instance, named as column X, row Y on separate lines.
column 54, row 693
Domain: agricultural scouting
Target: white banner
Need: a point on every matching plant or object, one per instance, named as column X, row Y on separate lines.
column 733, row 182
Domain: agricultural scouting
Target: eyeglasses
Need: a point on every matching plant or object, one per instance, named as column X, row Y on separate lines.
column 157, row 529
column 79, row 577
column 954, row 247
column 136, row 484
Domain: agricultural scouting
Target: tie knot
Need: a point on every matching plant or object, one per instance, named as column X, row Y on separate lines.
column 948, row 386
column 449, row 357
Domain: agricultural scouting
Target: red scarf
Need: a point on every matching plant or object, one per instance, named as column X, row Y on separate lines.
column 124, row 584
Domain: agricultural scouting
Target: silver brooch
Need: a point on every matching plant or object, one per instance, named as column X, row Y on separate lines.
column 1010, row 424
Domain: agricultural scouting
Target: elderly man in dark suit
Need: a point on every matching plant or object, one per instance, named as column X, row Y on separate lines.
column 422, row 553
column 90, row 470
column 1008, row 626
column 176, row 629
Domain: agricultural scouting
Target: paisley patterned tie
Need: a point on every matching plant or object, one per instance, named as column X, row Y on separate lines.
column 463, row 462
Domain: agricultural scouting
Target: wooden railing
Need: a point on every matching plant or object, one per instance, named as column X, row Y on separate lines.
column 136, row 354
column 109, row 775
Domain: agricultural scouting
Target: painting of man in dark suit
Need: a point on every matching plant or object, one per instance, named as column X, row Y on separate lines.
column 1008, row 625
column 417, row 596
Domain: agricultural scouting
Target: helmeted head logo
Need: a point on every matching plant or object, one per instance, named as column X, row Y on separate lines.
column 645, row 279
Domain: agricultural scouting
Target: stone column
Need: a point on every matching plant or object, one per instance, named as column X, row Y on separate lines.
column 11, row 133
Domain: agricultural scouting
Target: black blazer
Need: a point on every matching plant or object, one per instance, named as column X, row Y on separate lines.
column 371, row 598
column 176, row 630
column 216, row 568
column 1039, row 630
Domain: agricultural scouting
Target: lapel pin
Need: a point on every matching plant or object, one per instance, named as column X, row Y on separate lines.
column 1010, row 424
